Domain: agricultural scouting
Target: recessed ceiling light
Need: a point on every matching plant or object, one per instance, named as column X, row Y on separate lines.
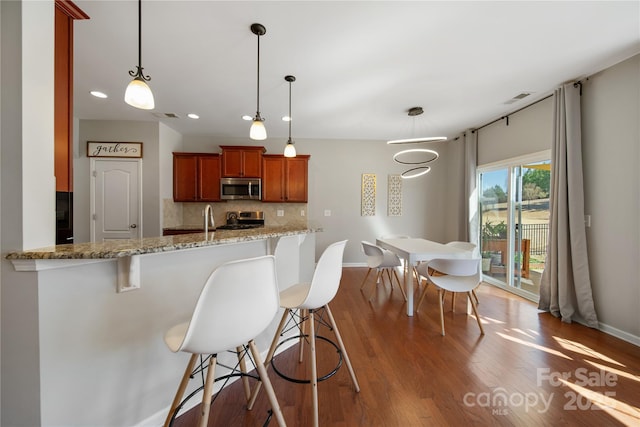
column 193, row 116
column 98, row 94
column 248, row 118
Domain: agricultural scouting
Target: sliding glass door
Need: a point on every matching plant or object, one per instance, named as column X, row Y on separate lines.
column 514, row 221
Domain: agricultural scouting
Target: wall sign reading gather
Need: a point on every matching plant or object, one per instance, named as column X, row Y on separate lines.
column 114, row 149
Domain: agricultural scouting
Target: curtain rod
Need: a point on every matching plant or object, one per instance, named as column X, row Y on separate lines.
column 511, row 113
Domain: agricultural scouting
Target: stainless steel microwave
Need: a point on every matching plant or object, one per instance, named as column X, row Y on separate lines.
column 240, row 189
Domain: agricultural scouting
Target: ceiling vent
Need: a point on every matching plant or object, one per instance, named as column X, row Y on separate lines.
column 166, row 115
column 518, row 97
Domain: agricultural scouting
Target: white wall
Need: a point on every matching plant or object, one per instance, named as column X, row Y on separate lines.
column 611, row 155
column 27, row 191
column 170, row 141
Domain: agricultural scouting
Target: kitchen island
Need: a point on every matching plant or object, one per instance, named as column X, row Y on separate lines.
column 95, row 353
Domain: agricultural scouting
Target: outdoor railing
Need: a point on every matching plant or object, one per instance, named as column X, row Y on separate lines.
column 537, row 234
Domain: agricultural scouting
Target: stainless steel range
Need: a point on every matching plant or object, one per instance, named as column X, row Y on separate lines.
column 240, row 220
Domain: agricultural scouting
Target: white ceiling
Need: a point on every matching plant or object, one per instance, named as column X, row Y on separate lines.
column 360, row 65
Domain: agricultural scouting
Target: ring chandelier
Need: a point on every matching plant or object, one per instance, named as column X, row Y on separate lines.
column 428, row 156
column 415, row 172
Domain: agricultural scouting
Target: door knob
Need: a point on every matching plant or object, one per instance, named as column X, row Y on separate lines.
column 133, row 226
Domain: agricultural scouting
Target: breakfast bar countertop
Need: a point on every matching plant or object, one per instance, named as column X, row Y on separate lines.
column 149, row 245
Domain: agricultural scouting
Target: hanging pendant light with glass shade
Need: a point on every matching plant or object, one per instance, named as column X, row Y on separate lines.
column 290, row 149
column 138, row 93
column 258, row 131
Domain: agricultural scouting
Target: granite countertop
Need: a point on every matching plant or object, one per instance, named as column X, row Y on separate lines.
column 149, row 245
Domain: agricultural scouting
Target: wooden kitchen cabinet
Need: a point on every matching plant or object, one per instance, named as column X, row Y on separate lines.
column 284, row 179
column 241, row 161
column 65, row 13
column 196, row 177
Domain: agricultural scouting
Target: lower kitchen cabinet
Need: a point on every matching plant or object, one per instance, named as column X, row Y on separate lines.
column 284, row 179
column 196, row 177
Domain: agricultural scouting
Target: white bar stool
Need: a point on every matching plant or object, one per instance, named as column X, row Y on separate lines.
column 238, row 301
column 306, row 304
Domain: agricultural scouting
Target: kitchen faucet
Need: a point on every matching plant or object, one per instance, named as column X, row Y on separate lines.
column 208, row 215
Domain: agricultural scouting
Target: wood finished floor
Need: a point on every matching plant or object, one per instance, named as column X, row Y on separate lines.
column 410, row 375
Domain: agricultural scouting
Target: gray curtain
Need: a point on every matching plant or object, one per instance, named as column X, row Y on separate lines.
column 471, row 226
column 565, row 288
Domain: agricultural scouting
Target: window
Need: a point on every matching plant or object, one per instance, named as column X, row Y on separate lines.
column 514, row 222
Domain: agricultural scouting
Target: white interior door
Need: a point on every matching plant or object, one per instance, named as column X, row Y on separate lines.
column 116, row 196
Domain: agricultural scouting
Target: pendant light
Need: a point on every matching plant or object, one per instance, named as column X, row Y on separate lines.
column 138, row 93
column 290, row 149
column 258, row 131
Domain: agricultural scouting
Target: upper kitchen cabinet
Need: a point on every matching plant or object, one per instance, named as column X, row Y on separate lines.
column 65, row 13
column 196, row 177
column 284, row 179
column 242, row 161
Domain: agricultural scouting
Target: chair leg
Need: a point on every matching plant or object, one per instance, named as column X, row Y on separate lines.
column 181, row 388
column 208, row 392
column 303, row 325
column 473, row 291
column 475, row 312
column 342, row 348
column 440, row 297
column 416, row 275
column 453, row 302
column 264, row 378
column 379, row 278
column 270, row 353
column 388, row 271
column 365, row 278
column 400, row 285
column 312, row 366
column 243, row 369
column 422, row 295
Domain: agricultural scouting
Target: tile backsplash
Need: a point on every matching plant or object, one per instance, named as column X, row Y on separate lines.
column 190, row 214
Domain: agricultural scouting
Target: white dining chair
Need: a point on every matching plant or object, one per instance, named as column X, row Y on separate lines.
column 422, row 270
column 405, row 267
column 238, row 301
column 467, row 246
column 459, row 275
column 383, row 261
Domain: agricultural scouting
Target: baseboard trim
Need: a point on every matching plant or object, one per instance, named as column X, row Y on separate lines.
column 618, row 333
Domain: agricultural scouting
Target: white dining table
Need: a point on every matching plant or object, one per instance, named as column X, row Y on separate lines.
column 414, row 250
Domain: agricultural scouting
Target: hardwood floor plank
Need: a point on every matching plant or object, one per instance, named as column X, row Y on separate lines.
column 410, row 375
